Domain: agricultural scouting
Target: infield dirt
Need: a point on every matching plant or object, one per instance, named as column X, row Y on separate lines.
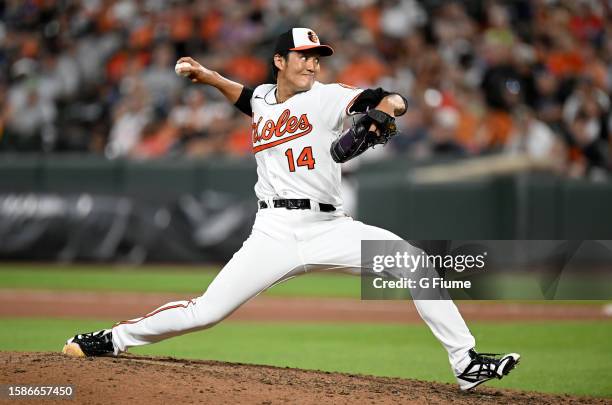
column 162, row 380
column 121, row 305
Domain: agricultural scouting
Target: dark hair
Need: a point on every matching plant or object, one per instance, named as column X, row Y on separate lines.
column 283, row 54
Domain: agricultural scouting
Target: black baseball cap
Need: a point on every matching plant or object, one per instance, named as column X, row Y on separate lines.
column 301, row 39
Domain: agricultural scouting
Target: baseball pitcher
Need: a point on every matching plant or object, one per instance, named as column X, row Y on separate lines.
column 299, row 145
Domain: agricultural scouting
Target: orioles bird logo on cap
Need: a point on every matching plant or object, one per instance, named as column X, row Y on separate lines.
column 313, row 37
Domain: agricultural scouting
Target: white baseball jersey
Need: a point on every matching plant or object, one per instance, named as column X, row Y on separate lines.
column 292, row 140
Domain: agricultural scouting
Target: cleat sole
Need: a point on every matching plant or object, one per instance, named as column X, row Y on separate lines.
column 73, row 350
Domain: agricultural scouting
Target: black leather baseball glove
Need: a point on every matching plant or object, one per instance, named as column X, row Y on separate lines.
column 385, row 124
column 360, row 137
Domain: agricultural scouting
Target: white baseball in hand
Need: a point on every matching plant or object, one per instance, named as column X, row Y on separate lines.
column 183, row 69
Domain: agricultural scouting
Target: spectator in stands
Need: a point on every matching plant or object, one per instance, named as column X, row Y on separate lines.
column 198, row 119
column 444, row 133
column 159, row 78
column 98, row 75
column 130, row 118
column 547, row 102
column 157, row 138
column 534, row 138
column 586, row 114
column 502, row 88
column 30, row 125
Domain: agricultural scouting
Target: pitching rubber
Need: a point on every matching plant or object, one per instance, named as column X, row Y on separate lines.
column 73, row 350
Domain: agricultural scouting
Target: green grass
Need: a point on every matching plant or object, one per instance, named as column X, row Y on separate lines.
column 182, row 279
column 163, row 279
column 558, row 357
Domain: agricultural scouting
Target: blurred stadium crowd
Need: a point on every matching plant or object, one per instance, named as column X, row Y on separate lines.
column 522, row 76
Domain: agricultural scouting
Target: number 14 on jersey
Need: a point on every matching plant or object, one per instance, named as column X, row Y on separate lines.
column 304, row 159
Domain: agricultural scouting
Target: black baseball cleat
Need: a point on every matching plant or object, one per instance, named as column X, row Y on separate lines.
column 98, row 343
column 484, row 367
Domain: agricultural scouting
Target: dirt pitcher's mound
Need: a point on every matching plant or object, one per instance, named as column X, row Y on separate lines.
column 151, row 380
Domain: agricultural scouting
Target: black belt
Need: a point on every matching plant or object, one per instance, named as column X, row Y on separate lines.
column 297, row 204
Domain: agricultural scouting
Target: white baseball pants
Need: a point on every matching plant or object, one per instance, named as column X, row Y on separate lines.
column 284, row 244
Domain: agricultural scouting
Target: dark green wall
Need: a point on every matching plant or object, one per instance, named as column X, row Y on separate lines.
column 152, row 180
column 526, row 206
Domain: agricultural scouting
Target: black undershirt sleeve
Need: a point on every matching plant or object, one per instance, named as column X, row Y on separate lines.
column 244, row 101
column 369, row 99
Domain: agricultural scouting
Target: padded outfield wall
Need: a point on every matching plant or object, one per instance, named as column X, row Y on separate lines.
column 529, row 205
